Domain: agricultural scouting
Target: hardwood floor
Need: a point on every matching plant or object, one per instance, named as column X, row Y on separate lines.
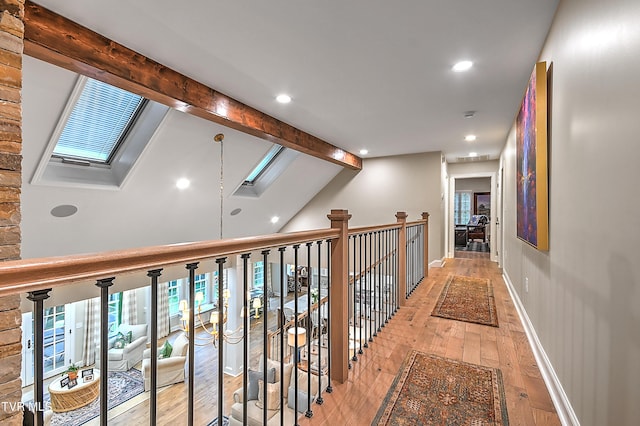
column 356, row 401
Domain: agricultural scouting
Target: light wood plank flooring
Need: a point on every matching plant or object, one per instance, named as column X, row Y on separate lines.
column 356, row 401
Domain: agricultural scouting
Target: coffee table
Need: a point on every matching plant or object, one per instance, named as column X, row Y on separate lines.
column 84, row 393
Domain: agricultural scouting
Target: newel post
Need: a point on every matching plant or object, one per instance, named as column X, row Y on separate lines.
column 425, row 217
column 339, row 296
column 402, row 257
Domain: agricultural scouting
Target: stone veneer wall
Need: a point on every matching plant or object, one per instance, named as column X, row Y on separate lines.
column 11, row 48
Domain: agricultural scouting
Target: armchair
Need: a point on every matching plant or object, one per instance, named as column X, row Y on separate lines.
column 171, row 369
column 476, row 227
column 125, row 358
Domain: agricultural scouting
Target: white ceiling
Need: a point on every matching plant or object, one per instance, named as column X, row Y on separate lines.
column 362, row 74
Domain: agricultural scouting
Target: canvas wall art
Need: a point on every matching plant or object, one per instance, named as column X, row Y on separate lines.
column 531, row 162
column 482, row 203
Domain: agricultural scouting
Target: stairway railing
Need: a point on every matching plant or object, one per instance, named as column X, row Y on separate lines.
column 361, row 276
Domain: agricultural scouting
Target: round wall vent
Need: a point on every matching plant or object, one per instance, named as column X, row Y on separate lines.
column 64, row 210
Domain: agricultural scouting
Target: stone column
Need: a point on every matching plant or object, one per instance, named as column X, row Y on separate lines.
column 11, row 46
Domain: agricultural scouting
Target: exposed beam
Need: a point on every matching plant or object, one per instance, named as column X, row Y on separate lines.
column 60, row 41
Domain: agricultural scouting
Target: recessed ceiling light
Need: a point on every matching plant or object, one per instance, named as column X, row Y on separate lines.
column 275, row 219
column 469, row 114
column 470, row 138
column 364, row 151
column 235, row 211
column 473, row 154
column 462, row 66
column 283, row 98
column 183, row 183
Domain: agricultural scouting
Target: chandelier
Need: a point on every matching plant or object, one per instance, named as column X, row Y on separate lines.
column 217, row 321
column 219, row 315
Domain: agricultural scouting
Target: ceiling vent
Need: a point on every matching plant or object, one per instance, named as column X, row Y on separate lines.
column 476, row 158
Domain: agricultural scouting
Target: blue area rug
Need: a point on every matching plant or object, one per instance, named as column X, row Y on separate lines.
column 123, row 385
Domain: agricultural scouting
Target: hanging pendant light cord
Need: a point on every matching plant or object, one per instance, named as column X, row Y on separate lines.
column 221, row 184
column 219, row 138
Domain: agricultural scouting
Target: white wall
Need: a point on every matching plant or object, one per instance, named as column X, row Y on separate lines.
column 473, row 167
column 386, row 185
column 474, row 184
column 149, row 209
column 584, row 293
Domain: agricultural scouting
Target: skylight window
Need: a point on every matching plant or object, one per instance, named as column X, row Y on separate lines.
column 264, row 164
column 270, row 167
column 98, row 123
column 99, row 138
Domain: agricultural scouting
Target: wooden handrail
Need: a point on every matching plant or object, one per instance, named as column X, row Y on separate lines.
column 365, row 229
column 416, row 222
column 354, row 278
column 271, row 334
column 21, row 276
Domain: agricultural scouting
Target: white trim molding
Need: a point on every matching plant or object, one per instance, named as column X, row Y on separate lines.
column 438, row 263
column 558, row 396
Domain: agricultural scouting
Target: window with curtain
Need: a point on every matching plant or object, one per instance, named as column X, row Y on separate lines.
column 200, row 286
column 174, row 297
column 462, row 207
column 54, row 338
column 115, row 312
column 258, row 276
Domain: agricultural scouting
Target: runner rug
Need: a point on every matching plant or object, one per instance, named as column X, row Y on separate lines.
column 430, row 390
column 467, row 299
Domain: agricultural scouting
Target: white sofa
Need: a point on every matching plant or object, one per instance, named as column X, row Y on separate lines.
column 124, row 359
column 170, row 369
column 254, row 411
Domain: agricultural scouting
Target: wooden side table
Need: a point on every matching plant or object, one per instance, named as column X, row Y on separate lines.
column 84, row 393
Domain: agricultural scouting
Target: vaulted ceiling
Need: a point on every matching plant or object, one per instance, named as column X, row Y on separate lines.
column 362, row 74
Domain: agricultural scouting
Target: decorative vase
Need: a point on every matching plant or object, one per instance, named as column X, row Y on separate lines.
column 73, row 375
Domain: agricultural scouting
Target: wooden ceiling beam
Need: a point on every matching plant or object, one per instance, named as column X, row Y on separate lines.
column 62, row 42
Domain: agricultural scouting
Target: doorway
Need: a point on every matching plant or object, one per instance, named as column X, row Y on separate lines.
column 58, row 344
column 471, row 211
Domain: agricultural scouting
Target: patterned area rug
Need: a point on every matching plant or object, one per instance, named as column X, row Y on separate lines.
column 467, row 299
column 225, row 421
column 123, row 385
column 430, row 390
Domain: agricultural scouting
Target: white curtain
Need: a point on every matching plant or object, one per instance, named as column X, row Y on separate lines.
column 163, row 309
column 91, row 330
column 129, row 307
column 267, row 271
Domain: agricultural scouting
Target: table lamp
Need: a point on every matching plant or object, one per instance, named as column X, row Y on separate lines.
column 301, row 340
column 257, row 304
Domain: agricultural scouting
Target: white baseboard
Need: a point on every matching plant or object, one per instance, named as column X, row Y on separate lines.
column 558, row 396
column 438, row 263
